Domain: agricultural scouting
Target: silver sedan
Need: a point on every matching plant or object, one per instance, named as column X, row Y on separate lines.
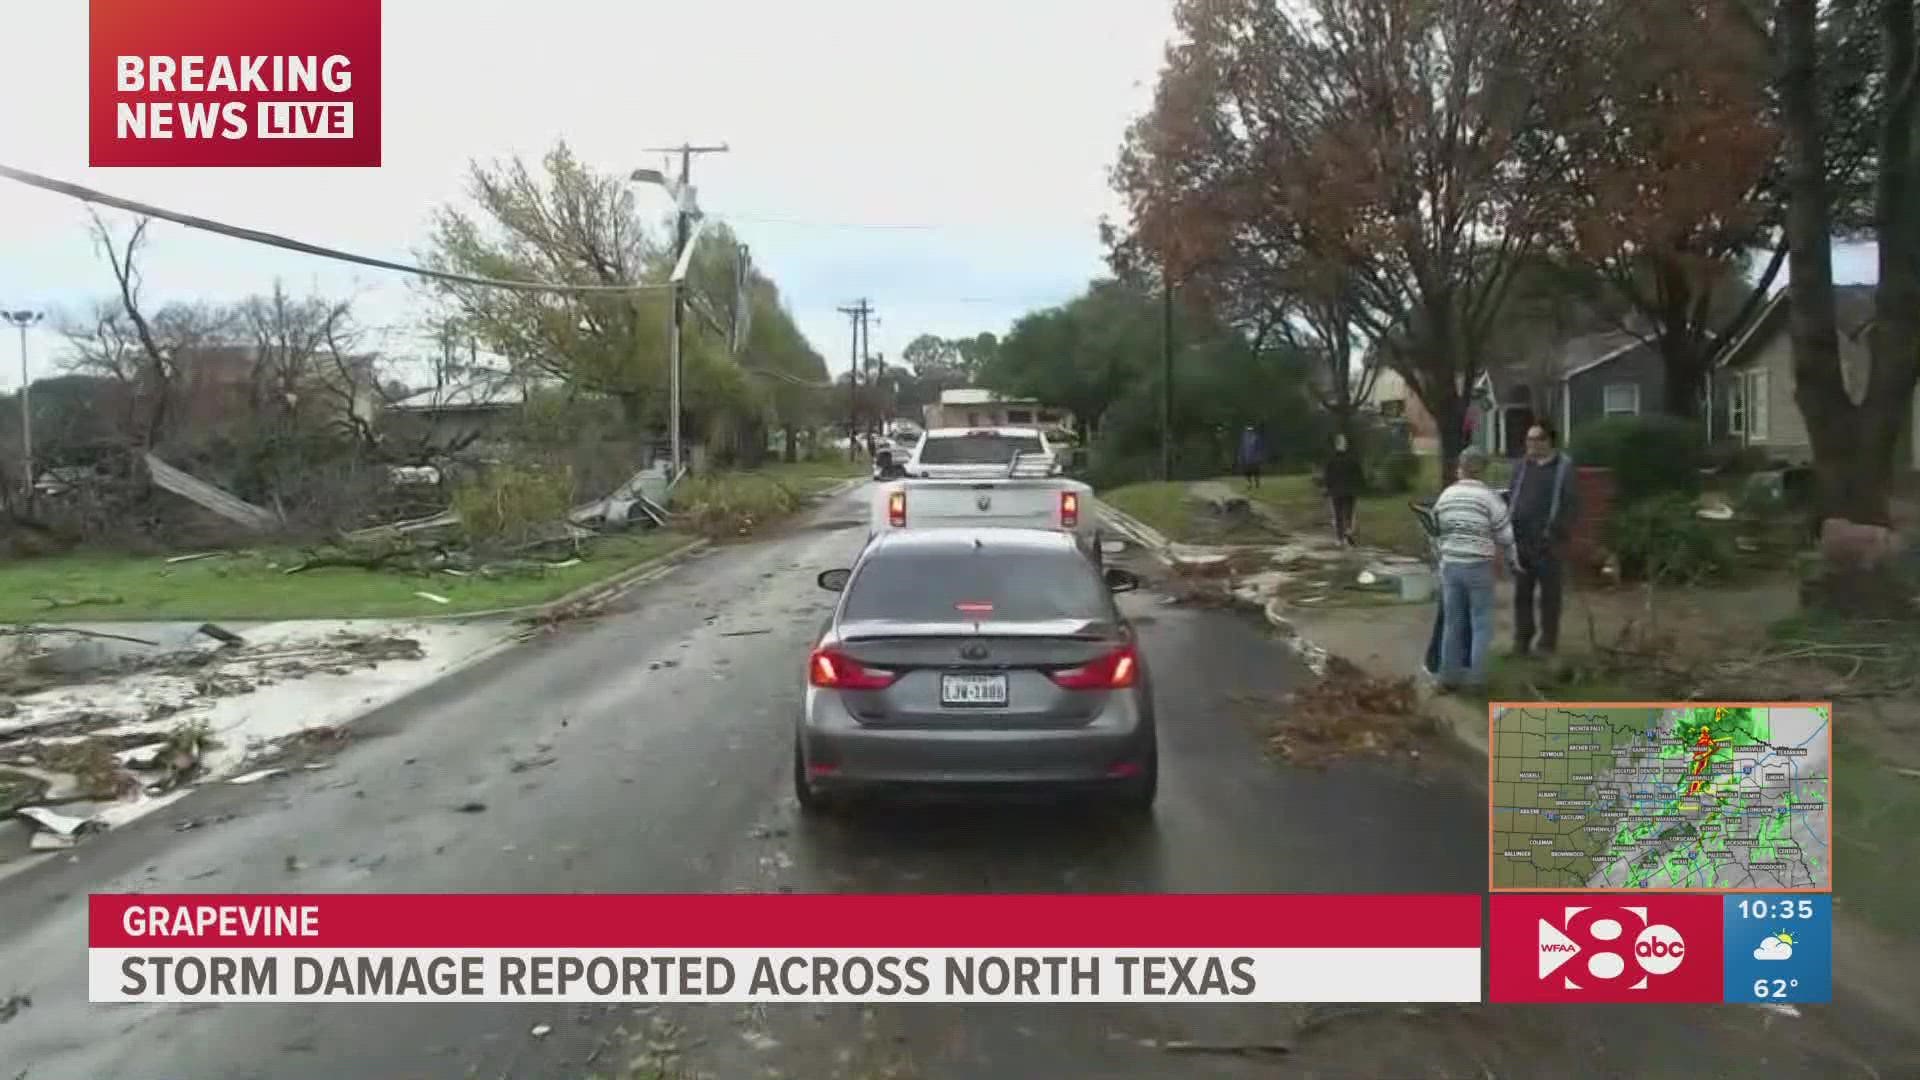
column 976, row 659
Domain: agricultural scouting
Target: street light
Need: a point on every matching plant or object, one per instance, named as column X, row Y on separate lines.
column 22, row 319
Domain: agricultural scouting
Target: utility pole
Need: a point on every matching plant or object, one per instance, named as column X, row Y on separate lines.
column 683, row 223
column 1166, row 373
column 857, row 312
column 24, row 319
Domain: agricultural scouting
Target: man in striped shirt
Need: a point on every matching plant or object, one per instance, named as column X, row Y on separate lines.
column 1475, row 529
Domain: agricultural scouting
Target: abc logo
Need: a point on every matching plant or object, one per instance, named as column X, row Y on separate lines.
column 1591, row 947
column 1659, row 949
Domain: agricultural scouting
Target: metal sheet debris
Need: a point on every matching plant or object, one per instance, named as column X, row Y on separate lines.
column 211, row 498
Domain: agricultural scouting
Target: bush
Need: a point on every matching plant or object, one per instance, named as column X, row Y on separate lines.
column 1733, row 459
column 1662, row 539
column 727, row 504
column 513, row 504
column 1650, row 455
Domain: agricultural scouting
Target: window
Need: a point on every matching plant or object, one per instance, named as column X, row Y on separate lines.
column 987, row 448
column 1621, row 399
column 1757, row 404
column 1737, row 405
column 1019, row 417
column 1022, row 584
column 1394, row 409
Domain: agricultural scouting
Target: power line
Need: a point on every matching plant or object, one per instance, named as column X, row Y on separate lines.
column 89, row 195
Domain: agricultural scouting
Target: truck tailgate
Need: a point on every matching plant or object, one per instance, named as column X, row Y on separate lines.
column 1012, row 504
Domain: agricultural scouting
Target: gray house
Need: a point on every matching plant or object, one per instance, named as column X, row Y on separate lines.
column 1590, row 378
column 1753, row 402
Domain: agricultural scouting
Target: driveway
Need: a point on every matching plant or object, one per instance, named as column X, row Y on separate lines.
column 648, row 750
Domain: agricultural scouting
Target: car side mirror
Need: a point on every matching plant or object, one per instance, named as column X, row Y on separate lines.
column 1119, row 580
column 834, row 580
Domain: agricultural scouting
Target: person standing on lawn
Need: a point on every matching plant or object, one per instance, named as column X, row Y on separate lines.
column 1544, row 503
column 1253, row 453
column 1342, row 479
column 1475, row 529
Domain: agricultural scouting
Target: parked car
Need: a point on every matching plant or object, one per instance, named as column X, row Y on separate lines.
column 964, row 659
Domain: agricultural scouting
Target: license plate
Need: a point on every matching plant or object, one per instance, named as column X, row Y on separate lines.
column 971, row 690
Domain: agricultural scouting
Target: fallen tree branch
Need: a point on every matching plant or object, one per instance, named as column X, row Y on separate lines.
column 31, row 631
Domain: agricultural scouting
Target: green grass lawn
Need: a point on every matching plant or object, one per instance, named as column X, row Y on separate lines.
column 1876, row 816
column 809, row 477
column 1381, row 521
column 1161, row 504
column 254, row 585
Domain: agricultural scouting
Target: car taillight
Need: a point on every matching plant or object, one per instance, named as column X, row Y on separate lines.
column 834, row 671
column 1069, row 509
column 897, row 509
column 1114, row 671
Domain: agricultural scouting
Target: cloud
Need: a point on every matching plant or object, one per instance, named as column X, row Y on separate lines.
column 1773, row 949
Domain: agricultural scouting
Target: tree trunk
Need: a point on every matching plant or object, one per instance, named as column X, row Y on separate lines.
column 792, row 453
column 1683, row 366
column 633, row 409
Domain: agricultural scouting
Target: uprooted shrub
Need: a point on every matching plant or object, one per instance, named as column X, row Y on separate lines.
column 513, row 505
column 721, row 505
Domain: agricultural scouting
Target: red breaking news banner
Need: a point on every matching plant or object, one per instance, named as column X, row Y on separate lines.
column 749, row 948
column 1606, row 947
column 228, row 83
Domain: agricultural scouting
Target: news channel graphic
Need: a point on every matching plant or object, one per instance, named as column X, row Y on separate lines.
column 1673, row 796
column 792, row 948
column 1753, row 948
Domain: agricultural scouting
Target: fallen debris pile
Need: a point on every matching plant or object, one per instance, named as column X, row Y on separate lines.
column 1345, row 713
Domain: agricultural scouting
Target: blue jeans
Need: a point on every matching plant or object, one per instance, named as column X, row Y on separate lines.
column 1466, row 598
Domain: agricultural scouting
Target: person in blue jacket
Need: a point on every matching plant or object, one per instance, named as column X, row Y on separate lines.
column 1253, row 454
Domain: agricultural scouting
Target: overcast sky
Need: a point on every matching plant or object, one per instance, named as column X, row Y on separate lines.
column 993, row 121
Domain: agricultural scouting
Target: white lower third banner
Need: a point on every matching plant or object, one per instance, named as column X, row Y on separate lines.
column 801, row 976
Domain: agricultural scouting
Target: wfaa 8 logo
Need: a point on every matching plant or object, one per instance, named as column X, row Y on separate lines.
column 1602, row 948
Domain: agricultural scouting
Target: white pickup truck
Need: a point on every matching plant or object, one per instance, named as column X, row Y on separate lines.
column 1003, row 478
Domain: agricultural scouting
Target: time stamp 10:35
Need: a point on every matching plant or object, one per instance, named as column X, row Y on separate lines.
column 1778, row 948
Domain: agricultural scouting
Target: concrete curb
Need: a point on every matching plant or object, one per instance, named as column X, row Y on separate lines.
column 599, row 590
column 1139, row 532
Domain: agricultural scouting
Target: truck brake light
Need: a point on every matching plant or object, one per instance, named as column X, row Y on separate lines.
column 897, row 509
column 1069, row 509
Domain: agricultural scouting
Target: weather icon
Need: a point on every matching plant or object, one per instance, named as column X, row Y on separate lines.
column 1775, row 947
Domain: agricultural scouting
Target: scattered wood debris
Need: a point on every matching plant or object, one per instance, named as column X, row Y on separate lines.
column 1345, row 713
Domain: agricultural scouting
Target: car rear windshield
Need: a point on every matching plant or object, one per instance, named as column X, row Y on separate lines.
column 977, row 585
column 984, row 449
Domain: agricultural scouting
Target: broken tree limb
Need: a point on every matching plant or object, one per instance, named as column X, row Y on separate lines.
column 211, row 498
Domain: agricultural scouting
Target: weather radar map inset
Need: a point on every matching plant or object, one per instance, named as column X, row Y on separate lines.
column 1719, row 797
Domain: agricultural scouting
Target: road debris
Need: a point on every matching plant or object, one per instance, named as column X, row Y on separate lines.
column 11, row 1005
column 221, row 634
column 475, row 807
column 57, row 831
column 747, row 633
column 541, row 1031
column 258, row 775
column 1190, row 1047
column 194, row 558
column 433, row 597
column 1345, row 712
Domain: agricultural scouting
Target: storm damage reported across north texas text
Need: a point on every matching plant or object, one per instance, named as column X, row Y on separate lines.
column 267, row 976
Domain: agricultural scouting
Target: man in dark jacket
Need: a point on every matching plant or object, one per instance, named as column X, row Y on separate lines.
column 1543, row 498
column 1343, row 480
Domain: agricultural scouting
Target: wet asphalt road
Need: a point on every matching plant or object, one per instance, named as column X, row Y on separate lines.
column 667, row 725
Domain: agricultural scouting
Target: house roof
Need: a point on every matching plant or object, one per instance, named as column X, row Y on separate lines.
column 1852, row 309
column 1578, row 356
column 485, row 390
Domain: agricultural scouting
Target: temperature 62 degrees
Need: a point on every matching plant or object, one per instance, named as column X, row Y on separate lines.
column 1769, row 989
